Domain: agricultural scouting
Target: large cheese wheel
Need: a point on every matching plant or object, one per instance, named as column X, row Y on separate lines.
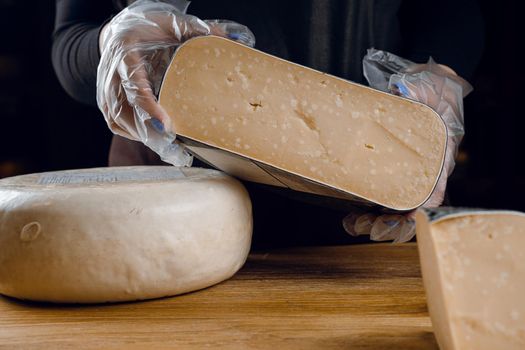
column 120, row 234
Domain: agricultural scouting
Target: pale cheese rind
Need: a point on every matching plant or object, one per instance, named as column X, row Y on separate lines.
column 379, row 147
column 120, row 234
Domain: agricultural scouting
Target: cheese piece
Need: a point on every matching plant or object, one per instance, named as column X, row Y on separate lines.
column 120, row 234
column 473, row 266
column 383, row 148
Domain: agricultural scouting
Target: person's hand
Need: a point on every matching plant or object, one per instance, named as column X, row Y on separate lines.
column 386, row 227
column 440, row 88
column 136, row 48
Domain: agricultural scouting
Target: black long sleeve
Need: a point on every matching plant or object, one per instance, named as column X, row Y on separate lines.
column 75, row 52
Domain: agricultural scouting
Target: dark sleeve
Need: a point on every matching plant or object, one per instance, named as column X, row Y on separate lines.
column 75, row 52
column 451, row 31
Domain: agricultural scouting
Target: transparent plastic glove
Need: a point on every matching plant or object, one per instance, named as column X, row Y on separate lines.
column 436, row 86
column 386, row 227
column 136, row 49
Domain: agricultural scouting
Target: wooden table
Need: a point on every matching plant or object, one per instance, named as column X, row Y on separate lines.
column 351, row 297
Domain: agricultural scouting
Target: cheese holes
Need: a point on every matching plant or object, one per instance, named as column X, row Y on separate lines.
column 30, row 231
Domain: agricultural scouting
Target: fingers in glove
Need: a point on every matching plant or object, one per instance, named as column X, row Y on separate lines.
column 386, row 227
column 398, row 228
column 137, row 85
column 233, row 31
column 356, row 224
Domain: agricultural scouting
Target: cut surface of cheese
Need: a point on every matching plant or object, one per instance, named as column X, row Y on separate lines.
column 120, row 234
column 473, row 266
column 383, row 148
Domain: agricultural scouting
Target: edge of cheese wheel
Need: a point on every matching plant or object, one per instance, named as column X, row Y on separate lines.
column 382, row 148
column 473, row 267
column 120, row 234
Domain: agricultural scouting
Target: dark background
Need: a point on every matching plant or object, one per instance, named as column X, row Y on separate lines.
column 42, row 128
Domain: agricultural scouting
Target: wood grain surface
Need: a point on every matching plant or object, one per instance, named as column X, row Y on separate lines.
column 346, row 297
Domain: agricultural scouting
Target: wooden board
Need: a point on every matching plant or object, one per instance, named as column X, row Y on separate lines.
column 358, row 297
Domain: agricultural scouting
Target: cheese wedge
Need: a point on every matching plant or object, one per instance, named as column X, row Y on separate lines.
column 291, row 121
column 120, row 234
column 473, row 266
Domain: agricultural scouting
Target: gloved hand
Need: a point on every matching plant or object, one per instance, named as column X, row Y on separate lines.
column 436, row 86
column 136, row 48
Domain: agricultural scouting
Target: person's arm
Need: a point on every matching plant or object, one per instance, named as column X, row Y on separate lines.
column 75, row 51
column 451, row 31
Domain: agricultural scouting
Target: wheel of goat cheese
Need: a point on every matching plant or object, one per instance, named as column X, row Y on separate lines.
column 120, row 234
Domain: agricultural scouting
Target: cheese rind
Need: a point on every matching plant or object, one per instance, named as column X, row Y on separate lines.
column 376, row 146
column 120, row 234
column 473, row 267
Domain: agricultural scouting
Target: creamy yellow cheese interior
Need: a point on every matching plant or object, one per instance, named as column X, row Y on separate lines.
column 474, row 273
column 372, row 144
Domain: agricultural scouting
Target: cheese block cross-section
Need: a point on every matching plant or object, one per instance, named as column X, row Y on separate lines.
column 364, row 143
column 120, row 234
column 473, row 265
